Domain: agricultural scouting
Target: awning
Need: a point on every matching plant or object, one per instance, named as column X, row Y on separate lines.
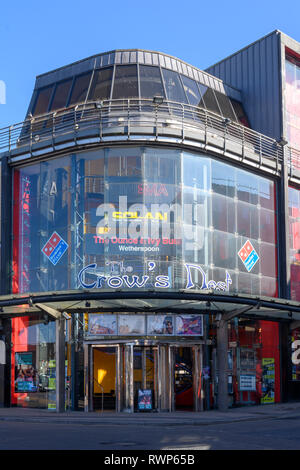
column 189, row 301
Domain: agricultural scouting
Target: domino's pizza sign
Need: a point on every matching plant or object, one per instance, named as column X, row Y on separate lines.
column 54, row 248
column 248, row 255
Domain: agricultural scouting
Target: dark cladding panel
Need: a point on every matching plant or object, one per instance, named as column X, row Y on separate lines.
column 255, row 71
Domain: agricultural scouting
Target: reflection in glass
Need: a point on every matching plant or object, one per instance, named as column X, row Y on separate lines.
column 125, row 83
column 173, row 86
column 195, row 209
column 192, row 91
column 101, row 85
column 150, row 82
column 80, row 88
column 42, row 100
column 61, row 95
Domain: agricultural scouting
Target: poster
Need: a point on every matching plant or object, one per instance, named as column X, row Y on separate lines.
column 189, row 325
column 25, row 373
column 102, row 325
column 160, row 325
column 247, row 383
column 131, row 325
column 145, row 399
column 268, row 380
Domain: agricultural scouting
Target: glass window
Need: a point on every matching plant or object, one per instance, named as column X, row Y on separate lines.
column 125, row 83
column 61, row 95
column 240, row 113
column 101, row 85
column 173, row 86
column 223, row 179
column 247, row 187
column 43, row 100
column 202, row 89
column 150, row 82
column 190, row 210
column 33, row 363
column 247, row 220
column 211, row 101
column 192, row 91
column 223, row 213
column 196, row 171
column 224, row 245
column 80, row 88
column 225, row 106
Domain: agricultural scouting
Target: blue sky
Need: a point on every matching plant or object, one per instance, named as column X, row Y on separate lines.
column 40, row 36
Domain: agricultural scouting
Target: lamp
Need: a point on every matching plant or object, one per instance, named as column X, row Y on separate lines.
column 227, row 121
column 157, row 99
column 282, row 141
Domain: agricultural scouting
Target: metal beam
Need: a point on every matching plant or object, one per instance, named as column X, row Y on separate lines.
column 235, row 313
column 51, row 311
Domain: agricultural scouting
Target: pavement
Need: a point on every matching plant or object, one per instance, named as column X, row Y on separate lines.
column 204, row 418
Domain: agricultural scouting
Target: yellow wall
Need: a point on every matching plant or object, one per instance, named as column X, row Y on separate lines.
column 106, row 364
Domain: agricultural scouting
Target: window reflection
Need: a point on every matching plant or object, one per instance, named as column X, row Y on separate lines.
column 125, row 83
column 61, row 95
column 43, row 100
column 80, row 88
column 192, row 91
column 101, row 85
column 212, row 208
column 150, row 82
column 173, row 86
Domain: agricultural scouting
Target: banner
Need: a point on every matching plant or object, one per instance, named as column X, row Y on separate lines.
column 268, row 380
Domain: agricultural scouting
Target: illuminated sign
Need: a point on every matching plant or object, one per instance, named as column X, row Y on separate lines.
column 135, row 215
column 160, row 281
column 54, row 248
column 248, row 255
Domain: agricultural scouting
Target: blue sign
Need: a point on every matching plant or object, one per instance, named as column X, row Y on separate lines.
column 248, row 255
column 55, row 248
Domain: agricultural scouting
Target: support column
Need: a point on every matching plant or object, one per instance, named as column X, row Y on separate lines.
column 60, row 365
column 222, row 358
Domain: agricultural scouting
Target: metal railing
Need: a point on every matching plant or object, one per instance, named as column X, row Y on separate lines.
column 133, row 117
column 293, row 157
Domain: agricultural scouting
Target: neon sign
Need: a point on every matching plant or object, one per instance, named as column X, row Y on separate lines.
column 161, row 281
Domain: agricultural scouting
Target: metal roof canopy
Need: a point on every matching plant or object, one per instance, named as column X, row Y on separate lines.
column 64, row 303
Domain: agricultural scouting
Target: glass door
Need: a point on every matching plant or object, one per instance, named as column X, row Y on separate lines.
column 104, row 378
column 185, row 380
column 145, row 365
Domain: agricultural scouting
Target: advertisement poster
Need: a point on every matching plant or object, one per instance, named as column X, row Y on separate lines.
column 131, row 325
column 189, row 325
column 25, row 374
column 247, row 383
column 268, row 380
column 160, row 325
column 145, row 399
column 102, row 324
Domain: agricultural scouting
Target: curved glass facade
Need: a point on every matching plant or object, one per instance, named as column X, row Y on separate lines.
column 140, row 218
column 135, row 81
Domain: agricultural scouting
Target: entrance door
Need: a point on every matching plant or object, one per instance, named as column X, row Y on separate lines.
column 185, row 364
column 104, row 373
column 145, row 363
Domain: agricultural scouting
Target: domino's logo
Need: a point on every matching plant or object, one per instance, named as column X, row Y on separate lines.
column 54, row 248
column 248, row 255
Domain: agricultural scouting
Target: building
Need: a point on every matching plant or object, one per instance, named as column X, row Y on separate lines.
column 150, row 234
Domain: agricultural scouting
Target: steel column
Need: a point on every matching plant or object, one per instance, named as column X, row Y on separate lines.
column 222, row 359
column 60, row 365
